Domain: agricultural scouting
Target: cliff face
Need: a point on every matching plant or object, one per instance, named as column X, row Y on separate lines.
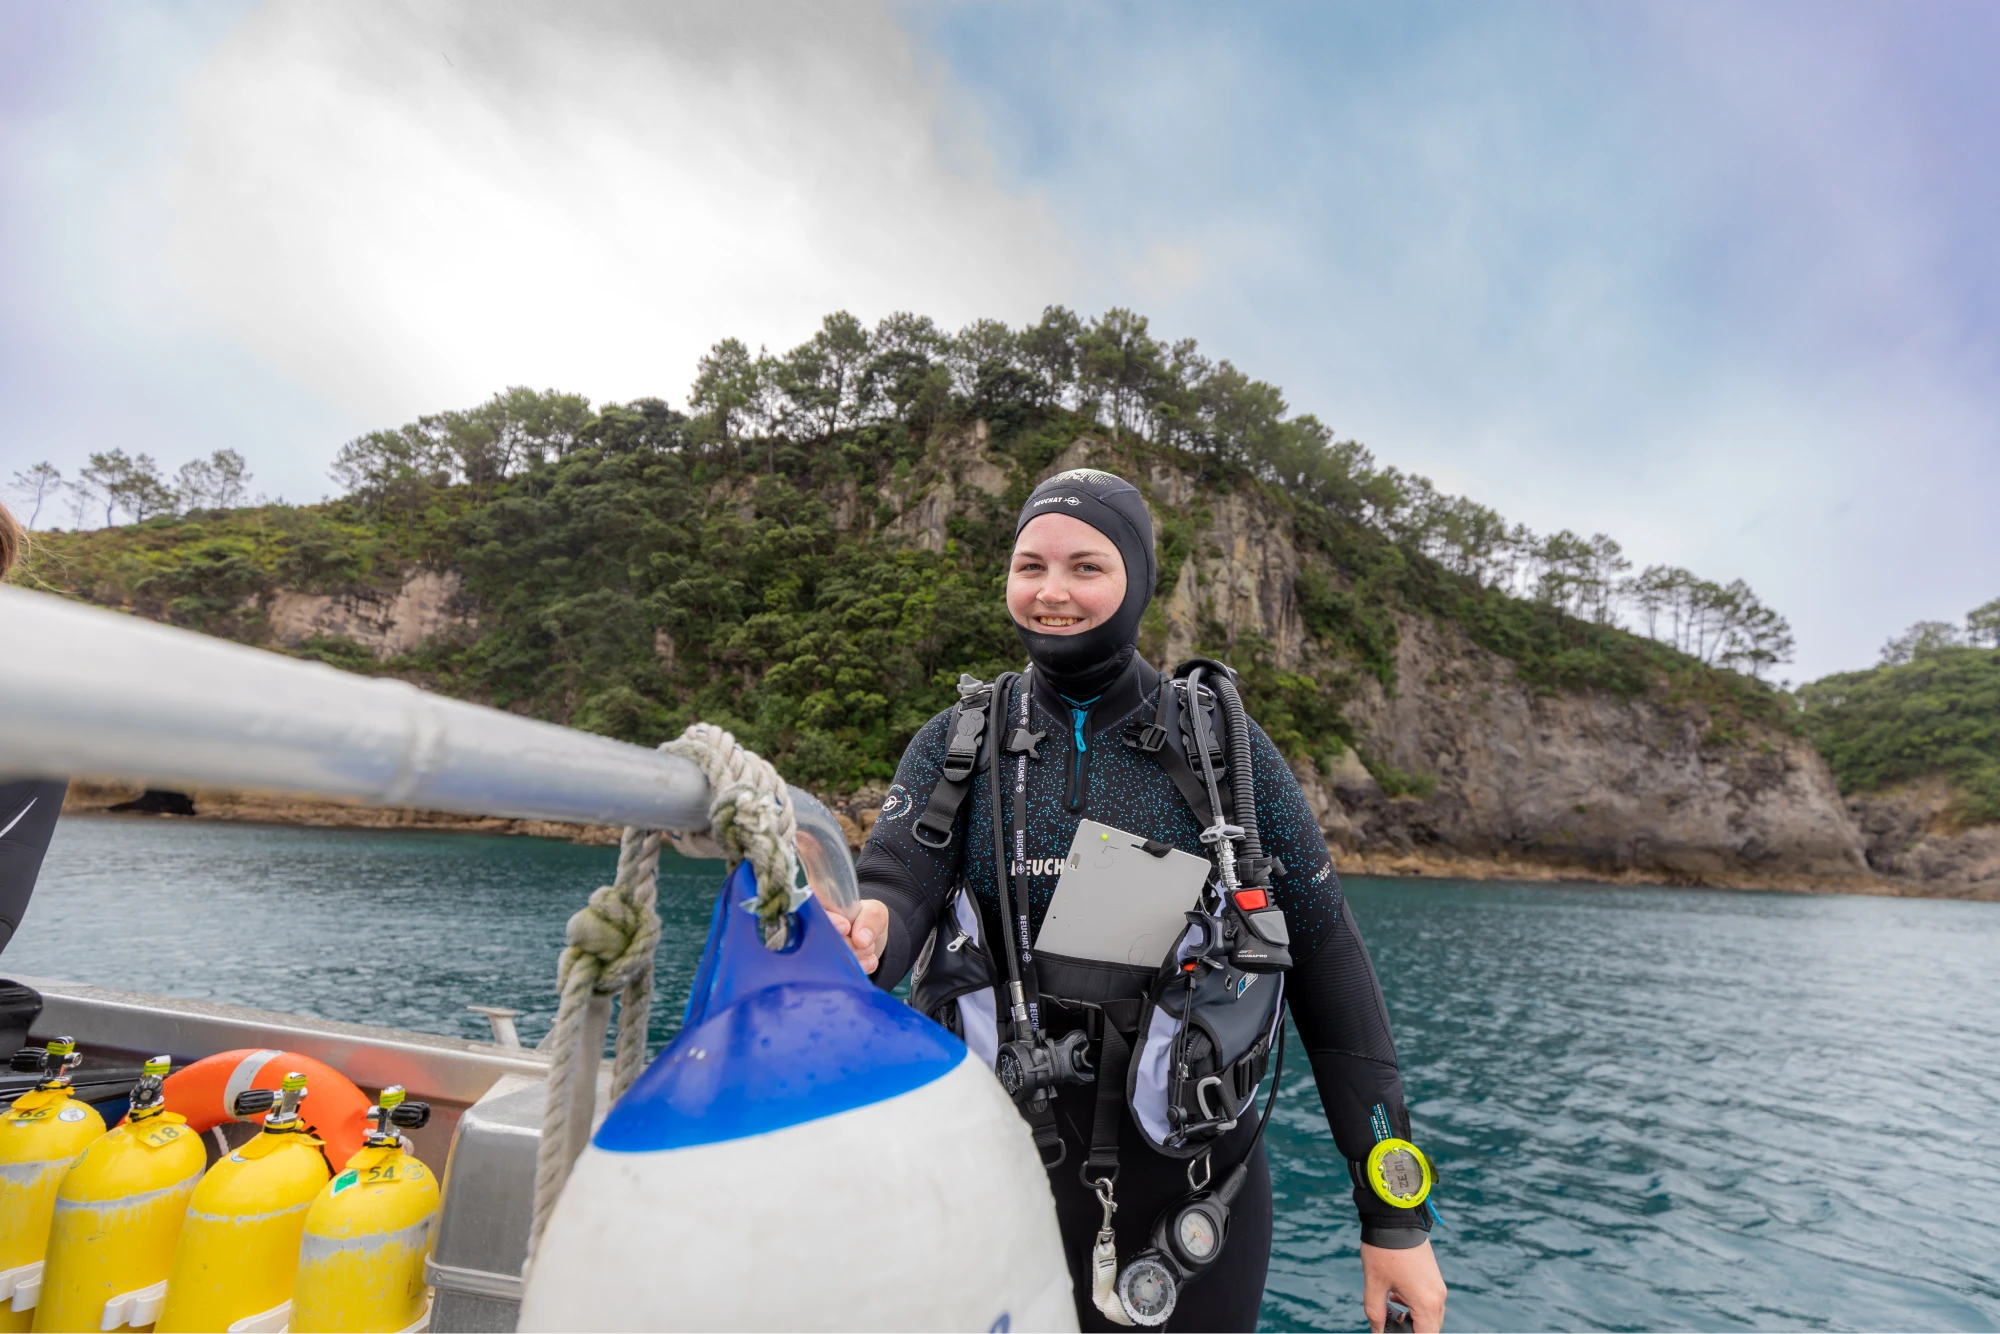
column 1610, row 783
column 384, row 621
column 1908, row 835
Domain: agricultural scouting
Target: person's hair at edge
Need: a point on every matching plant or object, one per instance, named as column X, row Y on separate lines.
column 13, row 542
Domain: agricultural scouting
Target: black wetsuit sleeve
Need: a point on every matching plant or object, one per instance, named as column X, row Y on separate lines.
column 28, row 811
column 910, row 878
column 1332, row 991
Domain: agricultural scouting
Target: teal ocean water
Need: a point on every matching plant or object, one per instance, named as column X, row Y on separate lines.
column 1652, row 1109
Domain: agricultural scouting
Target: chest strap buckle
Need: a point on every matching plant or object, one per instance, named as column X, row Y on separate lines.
column 1022, row 741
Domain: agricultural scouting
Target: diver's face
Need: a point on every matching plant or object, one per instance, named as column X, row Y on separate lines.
column 1065, row 578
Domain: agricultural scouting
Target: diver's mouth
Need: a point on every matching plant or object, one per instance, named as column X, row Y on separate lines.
column 1058, row 622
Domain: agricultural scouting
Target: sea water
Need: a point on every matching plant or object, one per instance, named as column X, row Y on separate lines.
column 1651, row 1108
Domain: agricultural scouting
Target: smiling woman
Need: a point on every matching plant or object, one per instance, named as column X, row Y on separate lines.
column 978, row 840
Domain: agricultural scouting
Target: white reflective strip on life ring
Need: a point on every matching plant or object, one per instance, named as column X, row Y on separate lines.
column 241, row 1078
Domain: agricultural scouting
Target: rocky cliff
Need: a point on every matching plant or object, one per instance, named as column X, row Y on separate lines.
column 386, row 622
column 1909, row 836
column 1612, row 784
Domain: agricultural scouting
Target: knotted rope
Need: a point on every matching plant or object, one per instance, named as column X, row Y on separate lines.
column 610, row 942
column 750, row 818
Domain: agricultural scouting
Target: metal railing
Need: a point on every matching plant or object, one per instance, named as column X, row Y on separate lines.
column 90, row 693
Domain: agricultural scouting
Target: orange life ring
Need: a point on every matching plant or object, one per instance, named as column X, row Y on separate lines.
column 334, row 1108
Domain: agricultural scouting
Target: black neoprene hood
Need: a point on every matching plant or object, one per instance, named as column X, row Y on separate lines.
column 1082, row 666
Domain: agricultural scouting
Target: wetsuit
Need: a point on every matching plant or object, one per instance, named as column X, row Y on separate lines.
column 1335, row 1000
column 28, row 810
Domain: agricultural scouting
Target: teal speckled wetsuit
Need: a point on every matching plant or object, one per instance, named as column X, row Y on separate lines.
column 1335, row 1000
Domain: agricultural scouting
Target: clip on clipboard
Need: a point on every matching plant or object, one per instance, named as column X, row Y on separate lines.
column 1118, row 902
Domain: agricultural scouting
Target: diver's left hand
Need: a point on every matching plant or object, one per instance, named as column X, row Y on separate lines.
column 1413, row 1276
column 866, row 932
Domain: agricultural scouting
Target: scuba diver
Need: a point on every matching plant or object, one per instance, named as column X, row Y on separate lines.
column 1106, row 880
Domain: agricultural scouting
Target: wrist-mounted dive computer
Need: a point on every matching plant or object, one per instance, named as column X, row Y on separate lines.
column 1400, row 1173
column 1397, row 1171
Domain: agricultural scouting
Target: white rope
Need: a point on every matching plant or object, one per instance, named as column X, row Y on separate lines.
column 750, row 818
column 610, row 942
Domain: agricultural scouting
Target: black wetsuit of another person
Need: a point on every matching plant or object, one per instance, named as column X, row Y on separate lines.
column 1085, row 690
column 28, row 811
column 28, row 807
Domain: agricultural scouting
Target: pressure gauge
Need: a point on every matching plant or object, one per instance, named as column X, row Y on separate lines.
column 1195, row 1231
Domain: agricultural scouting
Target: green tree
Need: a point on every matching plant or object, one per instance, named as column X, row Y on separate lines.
column 104, row 478
column 1982, row 624
column 1120, row 367
column 219, row 481
column 822, row 381
column 1935, row 714
column 41, row 481
column 1049, row 352
column 394, row 472
column 1920, row 640
column 131, row 484
column 726, row 387
column 907, row 370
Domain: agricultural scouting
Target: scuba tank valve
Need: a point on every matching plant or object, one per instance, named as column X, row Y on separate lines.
column 40, row 1136
column 239, row 1249
column 361, row 1260
column 118, row 1216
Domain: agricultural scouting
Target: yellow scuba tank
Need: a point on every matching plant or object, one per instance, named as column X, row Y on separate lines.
column 118, row 1214
column 40, row 1136
column 239, row 1249
column 361, row 1263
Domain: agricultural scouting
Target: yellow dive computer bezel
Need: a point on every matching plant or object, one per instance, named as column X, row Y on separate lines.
column 1378, row 1174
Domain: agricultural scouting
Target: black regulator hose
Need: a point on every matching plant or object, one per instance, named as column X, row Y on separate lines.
column 1242, row 785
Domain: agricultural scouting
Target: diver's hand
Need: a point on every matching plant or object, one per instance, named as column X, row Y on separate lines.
column 866, row 932
column 1412, row 1275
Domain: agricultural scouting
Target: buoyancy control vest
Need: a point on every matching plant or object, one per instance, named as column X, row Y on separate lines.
column 1185, row 1045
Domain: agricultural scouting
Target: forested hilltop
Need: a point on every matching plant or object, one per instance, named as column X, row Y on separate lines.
column 755, row 559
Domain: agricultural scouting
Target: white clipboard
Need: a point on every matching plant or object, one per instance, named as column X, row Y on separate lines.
column 1115, row 902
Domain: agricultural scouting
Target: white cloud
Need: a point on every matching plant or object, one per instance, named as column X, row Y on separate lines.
column 409, row 207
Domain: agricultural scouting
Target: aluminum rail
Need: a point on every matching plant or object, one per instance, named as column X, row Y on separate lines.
column 92, row 693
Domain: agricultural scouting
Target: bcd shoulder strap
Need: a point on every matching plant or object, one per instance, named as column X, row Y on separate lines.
column 1162, row 739
column 965, row 733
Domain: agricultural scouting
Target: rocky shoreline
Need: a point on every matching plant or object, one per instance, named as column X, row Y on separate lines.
column 856, row 812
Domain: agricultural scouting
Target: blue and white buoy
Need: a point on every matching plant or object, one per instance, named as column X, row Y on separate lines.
column 808, row 1153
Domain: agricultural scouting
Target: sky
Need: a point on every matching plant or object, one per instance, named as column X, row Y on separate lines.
column 1717, row 280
